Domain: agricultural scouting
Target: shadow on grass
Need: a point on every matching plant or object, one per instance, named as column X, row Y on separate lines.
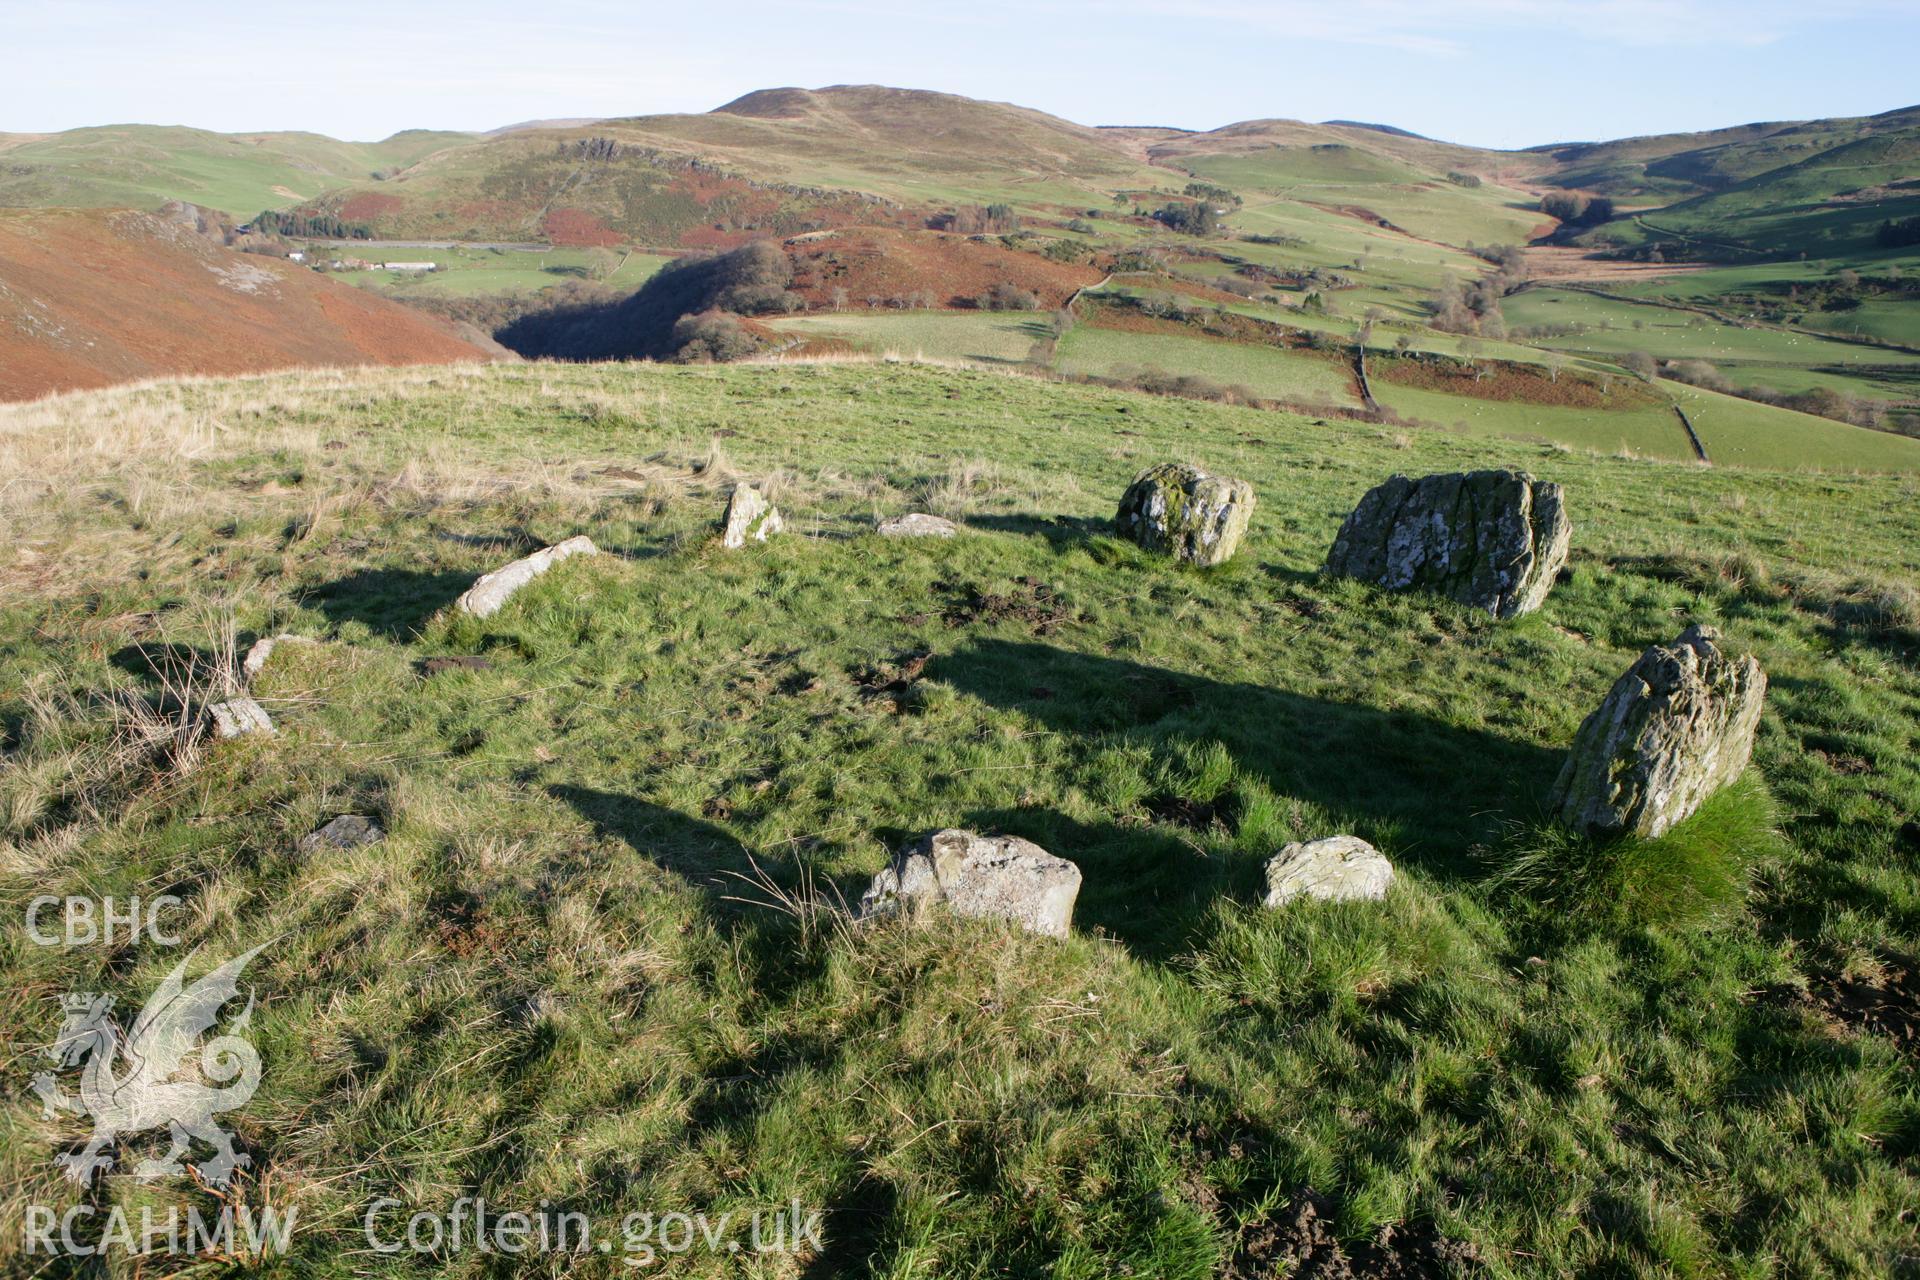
column 395, row 603
column 1062, row 532
column 1427, row 790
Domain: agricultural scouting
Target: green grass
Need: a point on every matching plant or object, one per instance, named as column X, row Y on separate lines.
column 989, row 337
column 1421, row 203
column 1762, row 356
column 488, row 271
column 555, row 979
column 1269, row 372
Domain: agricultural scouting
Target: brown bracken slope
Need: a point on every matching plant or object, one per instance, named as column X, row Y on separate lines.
column 91, row 297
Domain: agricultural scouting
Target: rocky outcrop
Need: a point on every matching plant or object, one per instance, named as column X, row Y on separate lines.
column 1493, row 540
column 988, row 877
column 1184, row 512
column 750, row 518
column 1677, row 727
column 1337, row 868
column 916, row 524
column 487, row 595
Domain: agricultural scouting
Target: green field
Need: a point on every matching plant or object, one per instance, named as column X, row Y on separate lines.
column 994, row 337
column 1269, row 372
column 1768, row 357
column 600, row 960
column 1337, row 176
column 485, row 271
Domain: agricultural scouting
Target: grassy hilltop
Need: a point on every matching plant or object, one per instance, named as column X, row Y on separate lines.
column 600, row 960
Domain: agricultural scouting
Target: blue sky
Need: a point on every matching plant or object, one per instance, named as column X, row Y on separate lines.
column 1487, row 72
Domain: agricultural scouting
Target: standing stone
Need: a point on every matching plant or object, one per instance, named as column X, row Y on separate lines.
column 1494, row 540
column 749, row 516
column 238, row 717
column 348, row 831
column 916, row 524
column 988, row 877
column 1677, row 727
column 1337, row 868
column 1183, row 511
column 486, row 596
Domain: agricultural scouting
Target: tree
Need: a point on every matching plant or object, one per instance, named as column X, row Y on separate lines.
column 1642, row 366
column 602, row 262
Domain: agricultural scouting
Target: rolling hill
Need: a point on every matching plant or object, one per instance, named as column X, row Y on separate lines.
column 94, row 297
column 143, row 166
column 777, row 161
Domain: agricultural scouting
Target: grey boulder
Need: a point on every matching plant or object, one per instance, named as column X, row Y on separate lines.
column 348, row 831
column 492, row 590
column 750, row 518
column 1336, row 868
column 1186, row 513
column 916, row 524
column 1677, row 727
column 986, row 877
column 1492, row 540
column 238, row 718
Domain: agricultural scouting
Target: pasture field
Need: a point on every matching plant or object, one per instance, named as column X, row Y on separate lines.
column 1736, row 432
column 991, row 337
column 482, row 271
column 1269, row 372
column 1341, row 177
column 599, row 960
column 1611, row 327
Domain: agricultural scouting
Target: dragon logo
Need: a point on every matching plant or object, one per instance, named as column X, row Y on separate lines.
column 160, row 1046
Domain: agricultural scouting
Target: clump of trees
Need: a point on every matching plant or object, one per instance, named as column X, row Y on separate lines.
column 590, row 323
column 305, row 226
column 1460, row 179
column 1213, row 193
column 712, row 336
column 1193, row 218
column 1577, row 208
column 1007, row 296
column 1469, row 308
column 1898, row 233
column 975, row 220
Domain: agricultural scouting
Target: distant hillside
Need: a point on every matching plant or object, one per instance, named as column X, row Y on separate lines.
column 1831, row 201
column 1687, row 164
column 143, row 166
column 778, row 161
column 1398, row 145
column 94, row 297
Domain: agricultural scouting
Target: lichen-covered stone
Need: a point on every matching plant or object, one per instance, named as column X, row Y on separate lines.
column 1182, row 511
column 1493, row 540
column 1337, row 868
column 492, row 590
column 916, row 524
column 239, row 717
column 1677, row 727
column 989, row 877
column 348, row 831
column 750, row 518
